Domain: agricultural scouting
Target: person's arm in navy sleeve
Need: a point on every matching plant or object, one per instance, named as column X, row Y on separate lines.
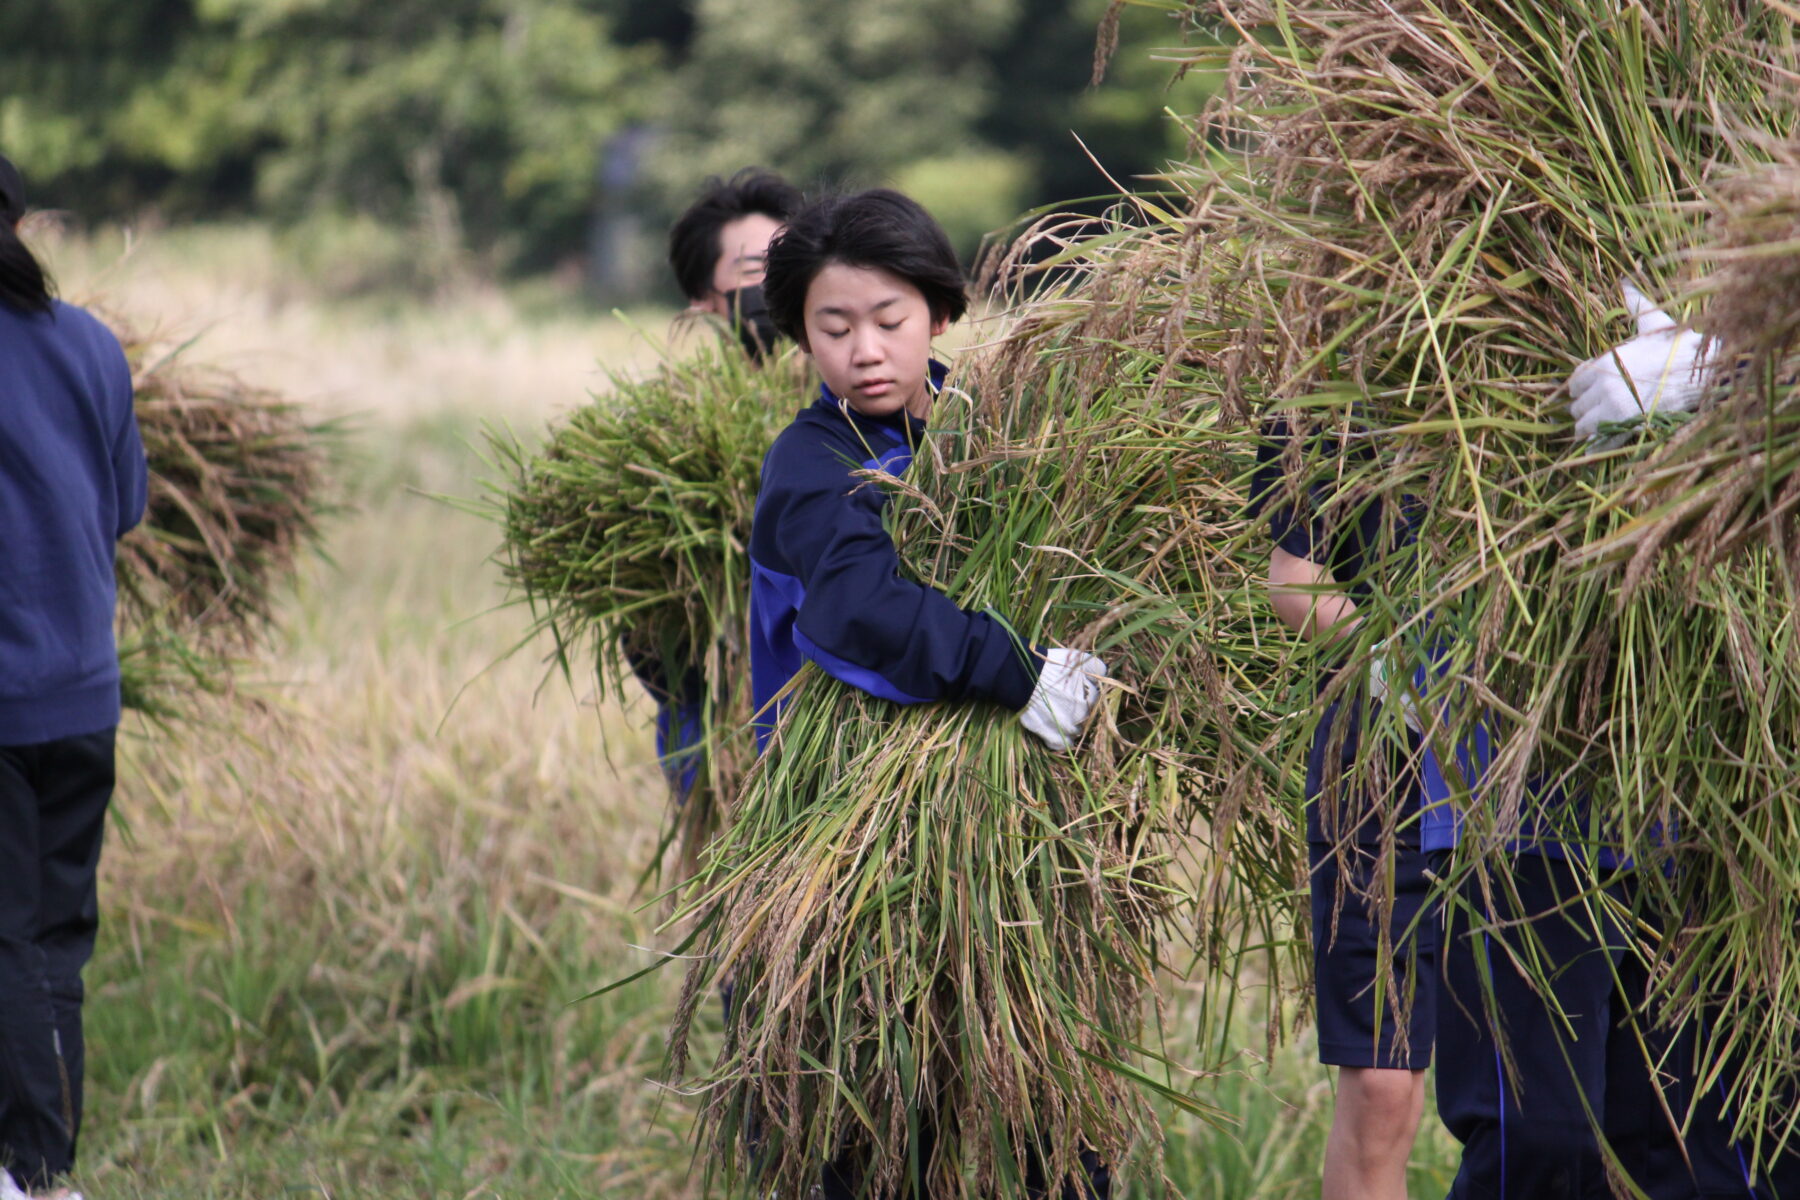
column 864, row 624
column 131, row 473
column 1306, row 596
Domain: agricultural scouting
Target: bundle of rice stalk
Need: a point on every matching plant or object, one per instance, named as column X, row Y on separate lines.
column 1425, row 209
column 234, row 497
column 1108, row 299
column 938, row 939
column 1729, row 478
column 1707, row 711
column 626, row 533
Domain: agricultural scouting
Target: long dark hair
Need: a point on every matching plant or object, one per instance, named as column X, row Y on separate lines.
column 24, row 285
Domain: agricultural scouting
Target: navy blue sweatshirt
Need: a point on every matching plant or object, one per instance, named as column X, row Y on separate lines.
column 825, row 578
column 72, row 481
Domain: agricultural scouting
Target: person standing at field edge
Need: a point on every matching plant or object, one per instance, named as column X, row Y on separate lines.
column 73, row 480
column 718, row 249
column 863, row 283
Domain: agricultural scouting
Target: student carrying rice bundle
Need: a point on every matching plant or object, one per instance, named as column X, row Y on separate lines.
column 1669, row 367
column 1422, row 208
column 863, row 283
column 1392, row 981
column 718, row 249
column 73, row 480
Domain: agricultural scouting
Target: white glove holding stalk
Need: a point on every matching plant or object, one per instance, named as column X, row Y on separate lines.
column 1662, row 369
column 1067, row 689
column 1379, row 669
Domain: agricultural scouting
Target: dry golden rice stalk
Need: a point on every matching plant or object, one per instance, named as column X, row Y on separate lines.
column 236, row 481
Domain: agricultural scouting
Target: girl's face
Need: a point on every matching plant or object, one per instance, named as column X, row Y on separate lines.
column 870, row 333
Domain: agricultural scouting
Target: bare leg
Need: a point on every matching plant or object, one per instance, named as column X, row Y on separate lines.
column 1372, row 1131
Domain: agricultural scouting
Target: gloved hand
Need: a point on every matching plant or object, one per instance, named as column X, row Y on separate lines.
column 1067, row 689
column 1663, row 369
column 1381, row 667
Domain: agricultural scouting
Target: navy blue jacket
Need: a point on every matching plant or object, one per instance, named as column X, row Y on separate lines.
column 825, row 578
column 72, row 481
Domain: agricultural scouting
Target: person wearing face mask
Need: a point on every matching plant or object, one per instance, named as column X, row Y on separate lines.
column 719, row 248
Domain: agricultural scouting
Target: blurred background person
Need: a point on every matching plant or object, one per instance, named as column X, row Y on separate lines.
column 718, row 251
column 719, row 248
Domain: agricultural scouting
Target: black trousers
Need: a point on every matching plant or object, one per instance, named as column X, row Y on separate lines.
column 53, row 798
column 1526, row 1131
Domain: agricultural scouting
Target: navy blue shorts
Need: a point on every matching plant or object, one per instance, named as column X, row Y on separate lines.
column 1368, row 1017
column 1361, row 1024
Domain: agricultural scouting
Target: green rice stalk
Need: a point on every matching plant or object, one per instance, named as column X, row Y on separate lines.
column 1729, row 479
column 627, row 534
column 1418, row 215
column 1707, row 712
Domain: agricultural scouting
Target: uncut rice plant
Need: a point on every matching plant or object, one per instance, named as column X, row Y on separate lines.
column 627, row 533
column 1423, row 211
column 937, row 938
column 236, row 495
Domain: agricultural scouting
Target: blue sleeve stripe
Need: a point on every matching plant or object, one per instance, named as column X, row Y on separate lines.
column 775, row 601
column 894, row 460
column 774, row 605
column 858, row 677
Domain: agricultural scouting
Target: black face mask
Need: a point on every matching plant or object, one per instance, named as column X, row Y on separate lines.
column 750, row 318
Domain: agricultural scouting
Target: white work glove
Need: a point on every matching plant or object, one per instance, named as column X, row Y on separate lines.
column 1379, row 670
column 1662, row 369
column 1067, row 689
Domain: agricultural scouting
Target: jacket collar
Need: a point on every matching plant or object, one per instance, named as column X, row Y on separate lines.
column 902, row 426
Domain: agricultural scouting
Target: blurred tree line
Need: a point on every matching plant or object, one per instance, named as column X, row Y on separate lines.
column 423, row 137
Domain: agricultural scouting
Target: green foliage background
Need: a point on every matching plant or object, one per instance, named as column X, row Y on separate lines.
column 469, row 132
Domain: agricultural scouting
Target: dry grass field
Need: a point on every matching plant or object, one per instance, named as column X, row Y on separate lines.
column 351, row 913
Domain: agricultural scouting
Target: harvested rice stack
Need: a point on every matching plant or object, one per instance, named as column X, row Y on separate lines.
column 934, row 933
column 1707, row 707
column 1733, row 473
column 235, row 477
column 627, row 533
column 1429, row 207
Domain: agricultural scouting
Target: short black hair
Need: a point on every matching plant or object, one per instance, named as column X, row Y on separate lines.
column 694, row 238
column 878, row 228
